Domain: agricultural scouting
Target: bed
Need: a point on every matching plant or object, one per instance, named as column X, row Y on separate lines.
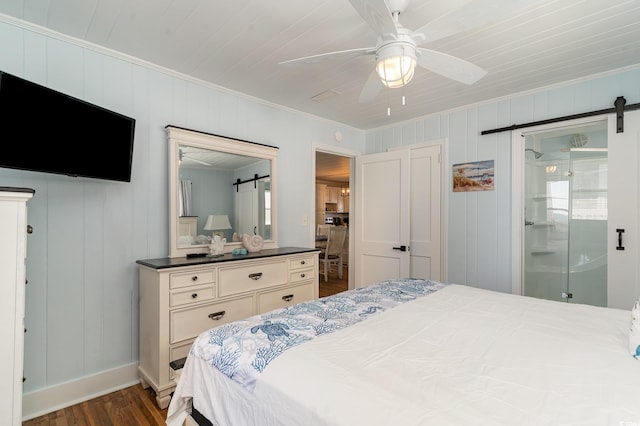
column 422, row 353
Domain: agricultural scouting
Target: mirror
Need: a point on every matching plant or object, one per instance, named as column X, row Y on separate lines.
column 220, row 186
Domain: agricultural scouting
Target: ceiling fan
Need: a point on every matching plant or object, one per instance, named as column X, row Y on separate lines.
column 185, row 154
column 396, row 51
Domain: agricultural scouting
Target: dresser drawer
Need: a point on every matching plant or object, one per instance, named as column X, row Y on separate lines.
column 252, row 277
column 189, row 323
column 180, row 351
column 284, row 297
column 185, row 279
column 192, row 295
column 177, row 352
column 303, row 261
column 302, row 275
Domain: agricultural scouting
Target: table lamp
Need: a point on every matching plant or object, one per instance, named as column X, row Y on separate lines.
column 217, row 223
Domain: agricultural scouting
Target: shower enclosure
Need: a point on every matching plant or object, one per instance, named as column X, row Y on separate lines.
column 565, row 249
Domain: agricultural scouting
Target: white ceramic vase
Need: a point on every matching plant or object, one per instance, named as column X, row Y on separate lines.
column 216, row 248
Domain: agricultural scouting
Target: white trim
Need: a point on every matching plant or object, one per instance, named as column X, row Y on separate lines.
column 517, row 211
column 47, row 400
column 345, row 152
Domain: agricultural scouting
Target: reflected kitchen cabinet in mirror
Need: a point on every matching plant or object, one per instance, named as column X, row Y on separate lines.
column 219, row 186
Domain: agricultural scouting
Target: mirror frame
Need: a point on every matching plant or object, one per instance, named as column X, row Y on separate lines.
column 179, row 136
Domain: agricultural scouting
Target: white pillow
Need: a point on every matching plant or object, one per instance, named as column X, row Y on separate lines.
column 634, row 333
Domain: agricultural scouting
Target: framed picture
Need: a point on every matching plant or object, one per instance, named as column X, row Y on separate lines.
column 474, row 176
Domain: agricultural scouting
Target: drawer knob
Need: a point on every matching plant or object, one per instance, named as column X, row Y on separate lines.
column 303, row 275
column 288, row 298
column 194, row 295
column 255, row 276
column 217, row 315
column 194, row 278
column 303, row 262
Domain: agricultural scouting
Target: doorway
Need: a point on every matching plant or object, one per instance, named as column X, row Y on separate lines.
column 332, row 208
column 622, row 204
column 566, row 214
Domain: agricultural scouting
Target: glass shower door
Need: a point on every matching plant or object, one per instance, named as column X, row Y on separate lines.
column 588, row 228
column 546, row 235
column 565, row 233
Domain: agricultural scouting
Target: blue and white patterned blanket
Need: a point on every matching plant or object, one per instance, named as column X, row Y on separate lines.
column 242, row 349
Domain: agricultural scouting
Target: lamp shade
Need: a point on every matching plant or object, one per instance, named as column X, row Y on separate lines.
column 217, row 222
column 396, row 65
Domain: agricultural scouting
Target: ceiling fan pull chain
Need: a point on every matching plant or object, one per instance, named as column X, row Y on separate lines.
column 403, row 98
column 404, row 83
column 388, row 105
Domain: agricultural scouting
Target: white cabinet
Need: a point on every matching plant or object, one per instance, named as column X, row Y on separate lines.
column 333, row 194
column 13, row 252
column 343, row 204
column 321, row 196
column 180, row 298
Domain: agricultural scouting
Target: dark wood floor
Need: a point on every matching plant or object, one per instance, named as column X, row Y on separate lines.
column 134, row 405
column 334, row 284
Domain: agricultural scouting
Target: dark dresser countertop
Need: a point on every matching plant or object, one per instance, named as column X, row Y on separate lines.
column 173, row 262
column 14, row 189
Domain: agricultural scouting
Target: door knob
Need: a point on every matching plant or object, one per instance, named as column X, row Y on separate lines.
column 401, row 248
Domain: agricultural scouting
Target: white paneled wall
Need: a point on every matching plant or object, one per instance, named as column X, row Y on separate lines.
column 479, row 223
column 82, row 296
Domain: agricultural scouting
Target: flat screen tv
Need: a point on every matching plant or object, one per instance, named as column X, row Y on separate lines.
column 47, row 131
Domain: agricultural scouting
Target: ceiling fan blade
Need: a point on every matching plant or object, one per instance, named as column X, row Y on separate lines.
column 474, row 14
column 341, row 54
column 371, row 88
column 449, row 66
column 376, row 14
column 195, row 160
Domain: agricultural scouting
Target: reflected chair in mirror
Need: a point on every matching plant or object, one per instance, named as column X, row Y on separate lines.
column 332, row 254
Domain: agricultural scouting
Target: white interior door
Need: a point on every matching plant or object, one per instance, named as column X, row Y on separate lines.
column 246, row 209
column 382, row 217
column 425, row 212
column 624, row 160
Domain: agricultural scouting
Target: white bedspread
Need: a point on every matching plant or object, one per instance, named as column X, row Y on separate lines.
column 461, row 356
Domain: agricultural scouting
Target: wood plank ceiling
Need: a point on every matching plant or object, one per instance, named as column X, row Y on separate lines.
column 238, row 44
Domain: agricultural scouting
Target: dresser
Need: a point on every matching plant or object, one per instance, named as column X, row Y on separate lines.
column 182, row 297
column 13, row 252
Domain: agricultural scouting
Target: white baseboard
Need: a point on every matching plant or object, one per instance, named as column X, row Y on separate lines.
column 43, row 401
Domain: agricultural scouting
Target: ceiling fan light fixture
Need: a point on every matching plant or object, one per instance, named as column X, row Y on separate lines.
column 396, row 65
